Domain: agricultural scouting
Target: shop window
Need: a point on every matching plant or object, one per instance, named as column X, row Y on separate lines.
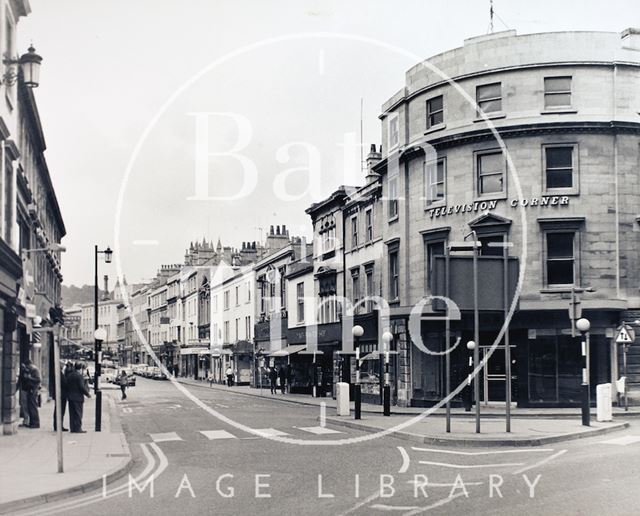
column 435, row 111
column 557, row 92
column 560, row 258
column 489, row 98
column 434, row 181
column 542, row 369
column 490, row 168
column 560, row 166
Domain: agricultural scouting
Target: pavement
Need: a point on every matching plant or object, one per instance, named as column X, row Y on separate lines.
column 29, row 475
column 491, row 410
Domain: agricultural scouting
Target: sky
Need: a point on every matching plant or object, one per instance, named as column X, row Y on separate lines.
column 171, row 121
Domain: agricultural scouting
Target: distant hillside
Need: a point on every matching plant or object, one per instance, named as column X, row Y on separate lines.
column 72, row 294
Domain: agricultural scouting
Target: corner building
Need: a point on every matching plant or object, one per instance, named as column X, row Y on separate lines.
column 566, row 106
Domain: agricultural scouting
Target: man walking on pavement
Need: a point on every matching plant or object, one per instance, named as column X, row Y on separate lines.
column 23, row 387
column 273, row 378
column 229, row 375
column 76, row 391
column 123, row 380
column 63, row 394
column 33, row 381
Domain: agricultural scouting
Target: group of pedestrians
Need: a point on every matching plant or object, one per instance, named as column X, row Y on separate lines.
column 73, row 390
column 279, row 377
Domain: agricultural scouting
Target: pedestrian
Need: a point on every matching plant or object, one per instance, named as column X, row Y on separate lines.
column 229, row 374
column 289, row 377
column 76, row 391
column 22, row 387
column 273, row 379
column 123, row 381
column 64, row 374
column 282, row 375
column 210, row 378
column 33, row 380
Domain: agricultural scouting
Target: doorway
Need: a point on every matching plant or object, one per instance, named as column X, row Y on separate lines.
column 493, row 385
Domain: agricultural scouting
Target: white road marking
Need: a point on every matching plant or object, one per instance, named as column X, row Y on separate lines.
column 540, row 463
column 269, row 432
column 323, row 414
column 623, row 441
column 496, row 452
column 318, row 430
column 217, row 434
column 470, row 466
column 405, row 460
column 220, row 405
column 164, row 437
column 383, row 507
column 127, row 410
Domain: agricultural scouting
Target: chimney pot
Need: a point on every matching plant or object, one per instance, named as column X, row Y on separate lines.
column 277, row 230
column 271, row 230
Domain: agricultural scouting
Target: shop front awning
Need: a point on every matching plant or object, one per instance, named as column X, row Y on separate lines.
column 216, row 353
column 289, row 350
column 193, row 351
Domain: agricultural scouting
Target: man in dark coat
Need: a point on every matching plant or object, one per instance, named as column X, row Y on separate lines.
column 273, row 376
column 63, row 393
column 33, row 380
column 76, row 391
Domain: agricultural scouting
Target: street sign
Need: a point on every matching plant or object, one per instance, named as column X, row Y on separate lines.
column 626, row 335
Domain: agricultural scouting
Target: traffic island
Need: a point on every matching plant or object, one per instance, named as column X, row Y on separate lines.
column 525, row 432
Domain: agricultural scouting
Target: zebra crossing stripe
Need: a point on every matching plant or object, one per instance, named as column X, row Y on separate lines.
column 217, row 434
column 164, row 437
column 271, row 432
column 318, row 430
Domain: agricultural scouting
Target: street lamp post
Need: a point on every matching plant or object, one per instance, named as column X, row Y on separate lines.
column 583, row 325
column 97, row 347
column 387, row 337
column 357, row 332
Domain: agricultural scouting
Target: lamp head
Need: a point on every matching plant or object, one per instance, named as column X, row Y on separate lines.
column 387, row 337
column 108, row 254
column 357, row 331
column 30, row 63
column 583, row 325
column 471, row 345
column 100, row 334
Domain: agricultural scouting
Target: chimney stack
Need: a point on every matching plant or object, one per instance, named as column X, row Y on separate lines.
column 373, row 158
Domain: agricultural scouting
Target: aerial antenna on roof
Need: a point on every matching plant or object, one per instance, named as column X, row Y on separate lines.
column 361, row 137
column 491, row 16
